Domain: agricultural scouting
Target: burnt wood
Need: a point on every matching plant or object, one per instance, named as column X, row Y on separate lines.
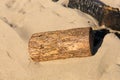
column 104, row 14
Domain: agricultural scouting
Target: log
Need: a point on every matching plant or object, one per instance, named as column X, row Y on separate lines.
column 111, row 18
column 61, row 44
column 103, row 13
column 91, row 7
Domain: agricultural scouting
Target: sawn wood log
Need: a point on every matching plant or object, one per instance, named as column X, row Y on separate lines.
column 61, row 44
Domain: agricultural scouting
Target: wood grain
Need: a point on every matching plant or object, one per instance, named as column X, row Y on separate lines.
column 61, row 44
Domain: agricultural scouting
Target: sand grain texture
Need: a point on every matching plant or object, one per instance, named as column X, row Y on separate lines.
column 19, row 19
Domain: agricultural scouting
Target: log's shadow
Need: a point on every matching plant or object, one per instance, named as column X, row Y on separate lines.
column 117, row 34
column 98, row 36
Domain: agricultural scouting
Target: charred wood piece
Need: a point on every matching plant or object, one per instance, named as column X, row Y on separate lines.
column 55, row 0
column 111, row 18
column 104, row 14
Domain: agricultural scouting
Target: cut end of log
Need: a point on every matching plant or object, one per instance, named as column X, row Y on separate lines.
column 62, row 44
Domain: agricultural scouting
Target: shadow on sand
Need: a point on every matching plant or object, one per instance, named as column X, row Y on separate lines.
column 98, row 36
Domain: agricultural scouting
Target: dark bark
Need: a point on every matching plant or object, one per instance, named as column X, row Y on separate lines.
column 104, row 14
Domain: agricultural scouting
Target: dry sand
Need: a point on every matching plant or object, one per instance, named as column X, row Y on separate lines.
column 19, row 19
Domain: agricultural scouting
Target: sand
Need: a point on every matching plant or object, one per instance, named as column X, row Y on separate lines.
column 19, row 19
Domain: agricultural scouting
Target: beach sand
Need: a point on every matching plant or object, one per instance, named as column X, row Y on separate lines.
column 19, row 19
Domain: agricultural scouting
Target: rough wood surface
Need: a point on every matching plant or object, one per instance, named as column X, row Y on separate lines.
column 111, row 18
column 62, row 44
column 103, row 13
